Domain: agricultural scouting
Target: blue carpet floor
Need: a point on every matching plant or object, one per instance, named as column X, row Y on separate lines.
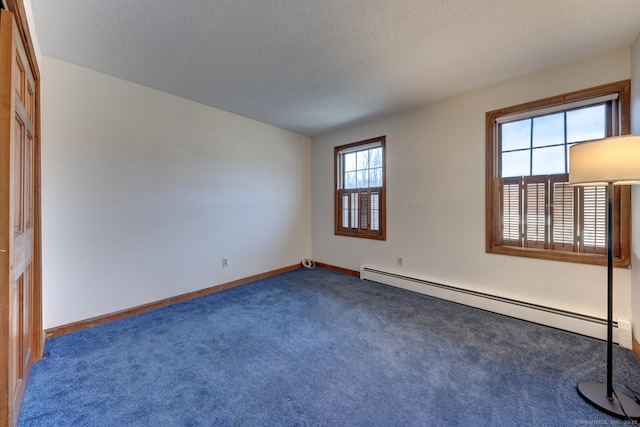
column 318, row 348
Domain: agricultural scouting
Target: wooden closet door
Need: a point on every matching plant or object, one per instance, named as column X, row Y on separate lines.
column 19, row 325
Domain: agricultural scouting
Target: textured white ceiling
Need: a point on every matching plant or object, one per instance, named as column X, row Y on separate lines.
column 311, row 66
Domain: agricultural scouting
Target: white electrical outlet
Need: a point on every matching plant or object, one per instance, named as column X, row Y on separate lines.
column 400, row 261
column 225, row 262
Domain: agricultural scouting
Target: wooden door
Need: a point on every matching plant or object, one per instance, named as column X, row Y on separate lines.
column 19, row 295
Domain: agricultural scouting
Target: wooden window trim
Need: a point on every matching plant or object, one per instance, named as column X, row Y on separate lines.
column 492, row 199
column 338, row 192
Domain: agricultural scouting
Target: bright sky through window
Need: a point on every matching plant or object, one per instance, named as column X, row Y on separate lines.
column 363, row 169
column 540, row 145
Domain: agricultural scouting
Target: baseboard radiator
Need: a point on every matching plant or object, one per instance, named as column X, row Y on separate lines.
column 562, row 319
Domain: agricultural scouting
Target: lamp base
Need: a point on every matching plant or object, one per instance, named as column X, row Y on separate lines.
column 596, row 395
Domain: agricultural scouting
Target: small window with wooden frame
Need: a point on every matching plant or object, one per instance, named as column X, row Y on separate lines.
column 531, row 209
column 360, row 200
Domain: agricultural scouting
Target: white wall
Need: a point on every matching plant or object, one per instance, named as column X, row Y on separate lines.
column 143, row 193
column 635, row 194
column 436, row 197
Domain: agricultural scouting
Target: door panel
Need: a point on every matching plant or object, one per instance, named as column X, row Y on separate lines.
column 18, row 144
column 15, row 367
column 19, row 220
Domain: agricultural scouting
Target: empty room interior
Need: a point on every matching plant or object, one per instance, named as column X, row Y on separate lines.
column 315, row 212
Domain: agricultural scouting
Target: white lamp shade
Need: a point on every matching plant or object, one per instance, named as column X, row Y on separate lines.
column 615, row 159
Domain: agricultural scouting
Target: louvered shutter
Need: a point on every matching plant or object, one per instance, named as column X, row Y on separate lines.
column 375, row 209
column 593, row 219
column 360, row 209
column 353, row 206
column 344, row 210
column 511, row 211
column 535, row 196
column 563, row 218
column 364, row 209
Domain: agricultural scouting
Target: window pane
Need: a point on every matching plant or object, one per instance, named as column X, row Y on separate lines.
column 375, row 157
column 363, row 179
column 515, row 163
column 548, row 160
column 548, row 130
column 375, row 177
column 350, row 180
column 363, row 159
column 586, row 123
column 516, row 135
column 349, row 162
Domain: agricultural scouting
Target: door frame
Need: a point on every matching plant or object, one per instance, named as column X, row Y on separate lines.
column 16, row 7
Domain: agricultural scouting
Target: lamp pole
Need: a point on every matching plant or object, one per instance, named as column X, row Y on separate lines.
column 613, row 160
column 610, row 290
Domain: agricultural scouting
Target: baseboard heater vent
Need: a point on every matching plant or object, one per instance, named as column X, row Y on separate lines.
column 562, row 319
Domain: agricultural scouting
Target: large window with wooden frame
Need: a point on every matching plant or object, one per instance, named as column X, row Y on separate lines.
column 360, row 189
column 532, row 210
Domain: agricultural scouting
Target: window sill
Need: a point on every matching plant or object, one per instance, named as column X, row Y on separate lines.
column 594, row 259
column 361, row 235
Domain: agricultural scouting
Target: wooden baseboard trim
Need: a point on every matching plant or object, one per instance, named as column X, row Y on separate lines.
column 82, row 324
column 636, row 346
column 338, row 269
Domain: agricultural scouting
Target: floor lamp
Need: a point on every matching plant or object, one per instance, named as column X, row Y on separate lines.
column 610, row 161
